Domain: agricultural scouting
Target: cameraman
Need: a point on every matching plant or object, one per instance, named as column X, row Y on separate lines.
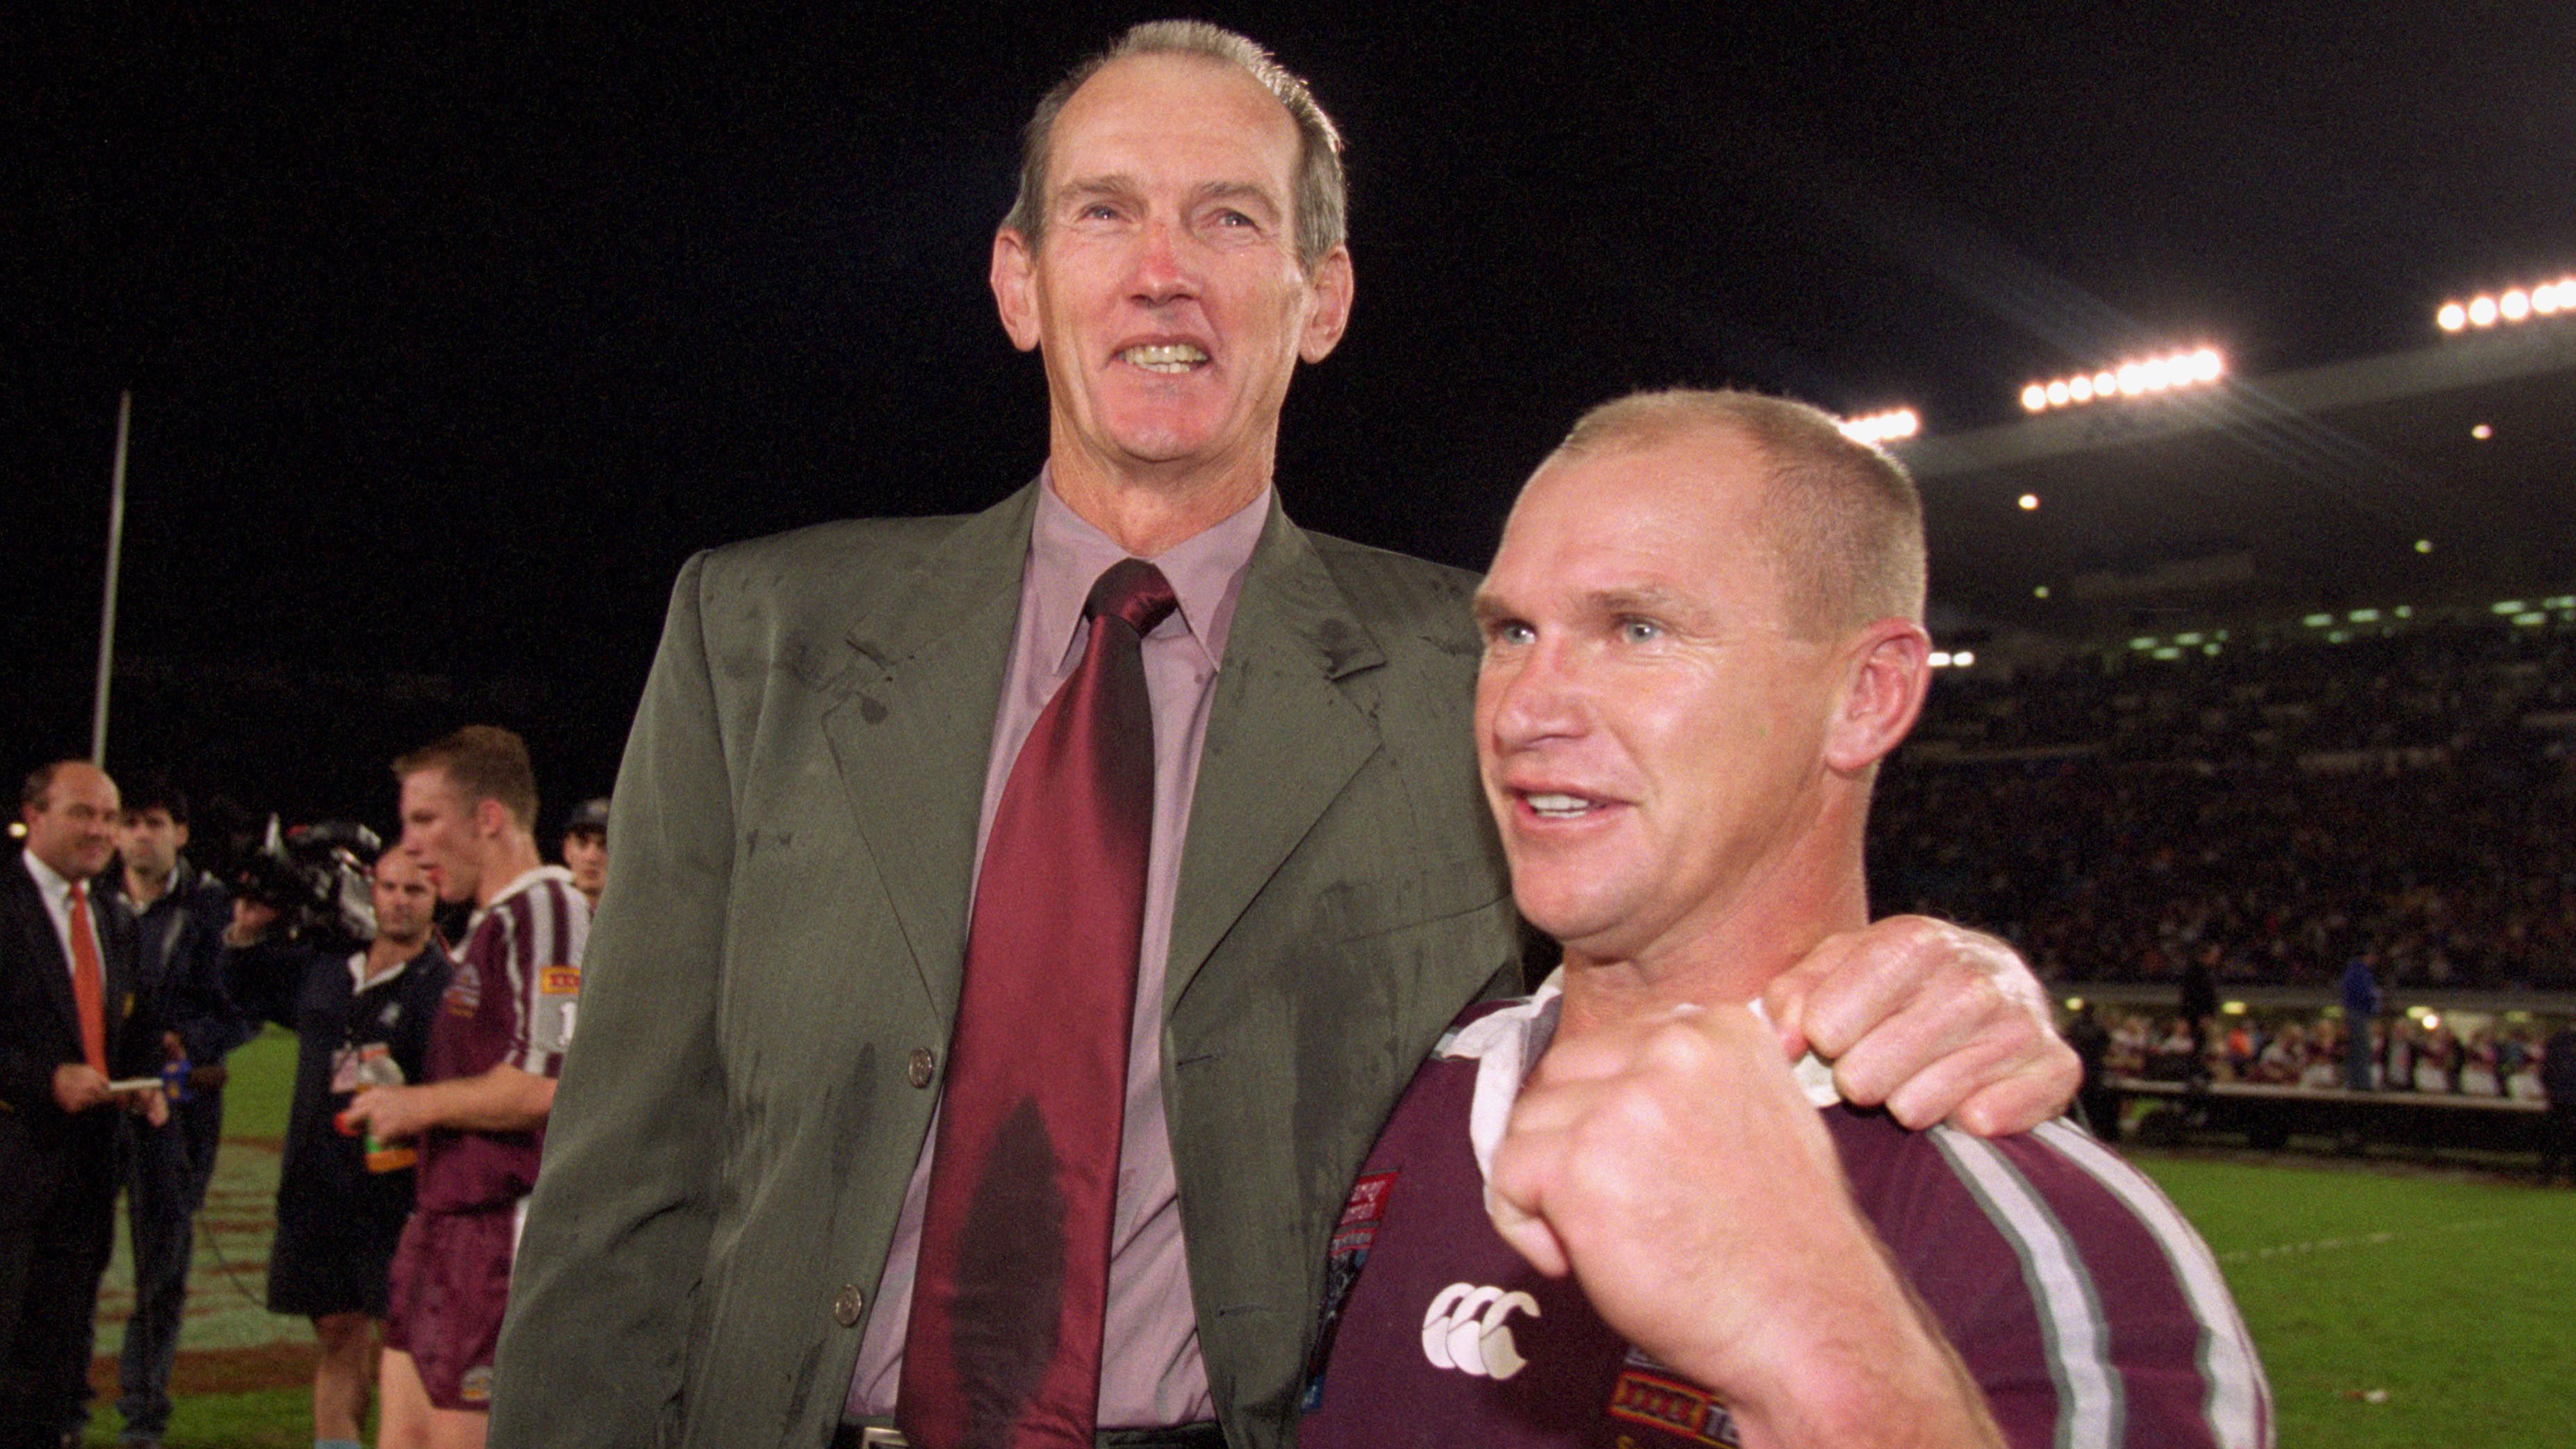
column 362, row 1019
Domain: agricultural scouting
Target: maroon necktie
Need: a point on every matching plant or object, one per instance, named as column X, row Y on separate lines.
column 1003, row 1347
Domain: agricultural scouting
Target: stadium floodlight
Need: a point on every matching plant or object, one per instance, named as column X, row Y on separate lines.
column 2511, row 306
column 2423, row 545
column 2482, row 432
column 2506, row 606
column 2138, row 377
column 1886, row 427
column 2040, row 592
column 2028, row 502
column 2317, row 621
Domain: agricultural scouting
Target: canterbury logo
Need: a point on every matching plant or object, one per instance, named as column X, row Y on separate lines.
column 1465, row 1330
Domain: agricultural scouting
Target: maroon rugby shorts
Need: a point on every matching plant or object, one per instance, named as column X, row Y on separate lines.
column 449, row 1284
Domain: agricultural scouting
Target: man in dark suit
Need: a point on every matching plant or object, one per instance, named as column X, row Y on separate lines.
column 721, row 1248
column 72, row 1023
column 178, row 914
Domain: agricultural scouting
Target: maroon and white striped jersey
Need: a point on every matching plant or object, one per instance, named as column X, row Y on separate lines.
column 512, row 998
column 2086, row 1308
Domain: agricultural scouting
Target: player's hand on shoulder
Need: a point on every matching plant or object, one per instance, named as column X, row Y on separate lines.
column 1935, row 1022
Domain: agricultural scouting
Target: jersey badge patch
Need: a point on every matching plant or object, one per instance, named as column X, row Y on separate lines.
column 1352, row 1236
column 1652, row 1398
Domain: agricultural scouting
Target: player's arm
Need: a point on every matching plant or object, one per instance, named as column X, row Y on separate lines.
column 1676, row 1169
column 617, row 1229
column 1934, row 1022
column 504, row 1099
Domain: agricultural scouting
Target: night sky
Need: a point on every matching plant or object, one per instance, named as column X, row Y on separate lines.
column 452, row 334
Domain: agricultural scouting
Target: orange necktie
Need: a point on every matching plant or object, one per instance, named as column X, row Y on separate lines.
column 89, row 984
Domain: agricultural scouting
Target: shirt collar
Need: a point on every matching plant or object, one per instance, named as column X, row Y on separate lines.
column 516, row 887
column 359, row 980
column 57, row 888
column 1506, row 1044
column 1067, row 555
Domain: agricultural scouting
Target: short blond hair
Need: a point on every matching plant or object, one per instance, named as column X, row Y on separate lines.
column 483, row 762
column 1843, row 518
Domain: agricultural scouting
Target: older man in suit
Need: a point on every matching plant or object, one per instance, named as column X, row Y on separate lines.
column 822, row 935
column 72, row 1023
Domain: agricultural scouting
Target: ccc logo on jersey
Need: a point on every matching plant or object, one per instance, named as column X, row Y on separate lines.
column 1466, row 1329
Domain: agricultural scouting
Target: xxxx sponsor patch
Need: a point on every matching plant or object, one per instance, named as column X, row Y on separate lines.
column 1648, row 1397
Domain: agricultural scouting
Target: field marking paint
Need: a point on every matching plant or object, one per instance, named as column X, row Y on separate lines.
column 2336, row 1245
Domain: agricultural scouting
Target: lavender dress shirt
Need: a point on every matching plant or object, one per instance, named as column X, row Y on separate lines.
column 1151, row 1373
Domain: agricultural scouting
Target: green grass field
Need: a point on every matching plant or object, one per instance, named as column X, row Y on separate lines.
column 2395, row 1305
column 2395, row 1309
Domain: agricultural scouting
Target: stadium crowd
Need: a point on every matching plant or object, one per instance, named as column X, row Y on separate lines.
column 2270, row 813
column 2406, row 1054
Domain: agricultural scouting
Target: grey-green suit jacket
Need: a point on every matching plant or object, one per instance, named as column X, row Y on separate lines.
column 780, row 941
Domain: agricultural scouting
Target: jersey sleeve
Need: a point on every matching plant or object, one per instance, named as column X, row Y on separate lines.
column 2087, row 1309
column 546, row 939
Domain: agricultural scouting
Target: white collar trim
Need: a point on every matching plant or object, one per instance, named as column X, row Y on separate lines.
column 1506, row 1045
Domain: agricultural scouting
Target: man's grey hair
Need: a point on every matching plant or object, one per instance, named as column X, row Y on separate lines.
column 1321, row 198
column 1844, row 520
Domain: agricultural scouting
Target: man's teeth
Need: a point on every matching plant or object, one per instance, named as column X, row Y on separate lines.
column 1165, row 357
column 1559, row 805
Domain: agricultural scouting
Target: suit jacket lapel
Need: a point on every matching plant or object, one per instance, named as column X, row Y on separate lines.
column 911, row 742
column 1282, row 740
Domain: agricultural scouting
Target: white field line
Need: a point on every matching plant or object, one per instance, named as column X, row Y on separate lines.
column 2357, row 1240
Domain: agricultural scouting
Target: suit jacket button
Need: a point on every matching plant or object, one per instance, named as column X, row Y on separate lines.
column 922, row 1067
column 848, row 1305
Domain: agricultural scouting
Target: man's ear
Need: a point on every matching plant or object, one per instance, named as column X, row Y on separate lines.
column 491, row 817
column 1015, row 287
column 1331, row 282
column 1887, row 670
